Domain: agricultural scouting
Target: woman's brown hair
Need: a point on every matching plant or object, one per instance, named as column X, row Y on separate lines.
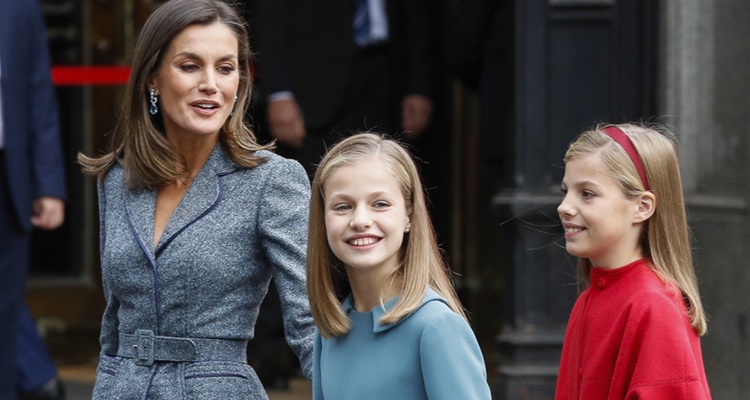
column 138, row 141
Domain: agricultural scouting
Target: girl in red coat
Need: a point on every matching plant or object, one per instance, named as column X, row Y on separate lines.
column 634, row 333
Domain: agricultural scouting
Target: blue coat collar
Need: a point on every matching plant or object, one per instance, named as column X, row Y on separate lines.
column 377, row 312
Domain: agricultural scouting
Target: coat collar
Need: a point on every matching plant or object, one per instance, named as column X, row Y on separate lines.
column 377, row 312
column 201, row 197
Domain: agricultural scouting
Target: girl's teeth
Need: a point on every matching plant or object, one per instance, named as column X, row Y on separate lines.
column 363, row 241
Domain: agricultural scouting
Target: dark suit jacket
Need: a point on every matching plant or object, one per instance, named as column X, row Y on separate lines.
column 306, row 47
column 32, row 142
column 479, row 51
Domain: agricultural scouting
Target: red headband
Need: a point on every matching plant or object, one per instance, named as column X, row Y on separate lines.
column 620, row 137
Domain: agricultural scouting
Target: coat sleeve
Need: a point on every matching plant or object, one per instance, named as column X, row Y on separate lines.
column 451, row 360
column 109, row 333
column 283, row 225
column 660, row 355
column 47, row 162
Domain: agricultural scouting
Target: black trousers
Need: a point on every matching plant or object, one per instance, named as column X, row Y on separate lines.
column 14, row 260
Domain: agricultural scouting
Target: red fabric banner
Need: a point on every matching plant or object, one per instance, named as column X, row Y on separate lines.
column 93, row 75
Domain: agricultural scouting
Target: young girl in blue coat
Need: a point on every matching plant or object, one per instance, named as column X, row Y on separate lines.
column 400, row 331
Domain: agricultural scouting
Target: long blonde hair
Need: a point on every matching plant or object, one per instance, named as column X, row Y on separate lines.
column 421, row 264
column 138, row 141
column 666, row 239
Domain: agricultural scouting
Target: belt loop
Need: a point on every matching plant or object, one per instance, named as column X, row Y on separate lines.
column 144, row 347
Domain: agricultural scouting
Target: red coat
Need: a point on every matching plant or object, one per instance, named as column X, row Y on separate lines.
column 629, row 337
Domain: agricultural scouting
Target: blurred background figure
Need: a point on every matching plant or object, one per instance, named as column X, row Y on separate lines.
column 32, row 180
column 325, row 69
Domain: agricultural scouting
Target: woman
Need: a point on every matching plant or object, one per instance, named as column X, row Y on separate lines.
column 195, row 218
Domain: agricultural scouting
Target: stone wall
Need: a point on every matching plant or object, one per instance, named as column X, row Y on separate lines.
column 705, row 78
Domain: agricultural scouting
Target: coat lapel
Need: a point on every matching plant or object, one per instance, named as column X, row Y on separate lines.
column 140, row 207
column 202, row 196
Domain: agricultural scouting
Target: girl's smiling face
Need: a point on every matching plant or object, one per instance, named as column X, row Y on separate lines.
column 365, row 217
column 197, row 80
column 600, row 222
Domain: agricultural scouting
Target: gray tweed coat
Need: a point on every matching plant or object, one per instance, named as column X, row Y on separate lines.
column 234, row 229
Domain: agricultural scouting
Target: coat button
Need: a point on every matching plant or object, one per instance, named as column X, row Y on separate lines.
column 600, row 283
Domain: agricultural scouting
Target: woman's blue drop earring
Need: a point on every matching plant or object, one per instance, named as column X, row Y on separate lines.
column 233, row 104
column 153, row 109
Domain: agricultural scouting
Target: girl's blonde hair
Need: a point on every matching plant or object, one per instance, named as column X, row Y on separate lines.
column 421, row 264
column 666, row 239
column 138, row 141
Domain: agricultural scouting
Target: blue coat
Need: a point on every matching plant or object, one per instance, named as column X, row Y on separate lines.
column 430, row 354
column 32, row 140
column 234, row 229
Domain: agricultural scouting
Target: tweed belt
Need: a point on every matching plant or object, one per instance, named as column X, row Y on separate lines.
column 146, row 348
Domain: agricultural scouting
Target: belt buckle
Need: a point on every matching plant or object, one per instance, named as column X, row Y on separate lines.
column 144, row 347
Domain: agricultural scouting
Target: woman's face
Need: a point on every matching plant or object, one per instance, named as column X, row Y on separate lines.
column 197, row 81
